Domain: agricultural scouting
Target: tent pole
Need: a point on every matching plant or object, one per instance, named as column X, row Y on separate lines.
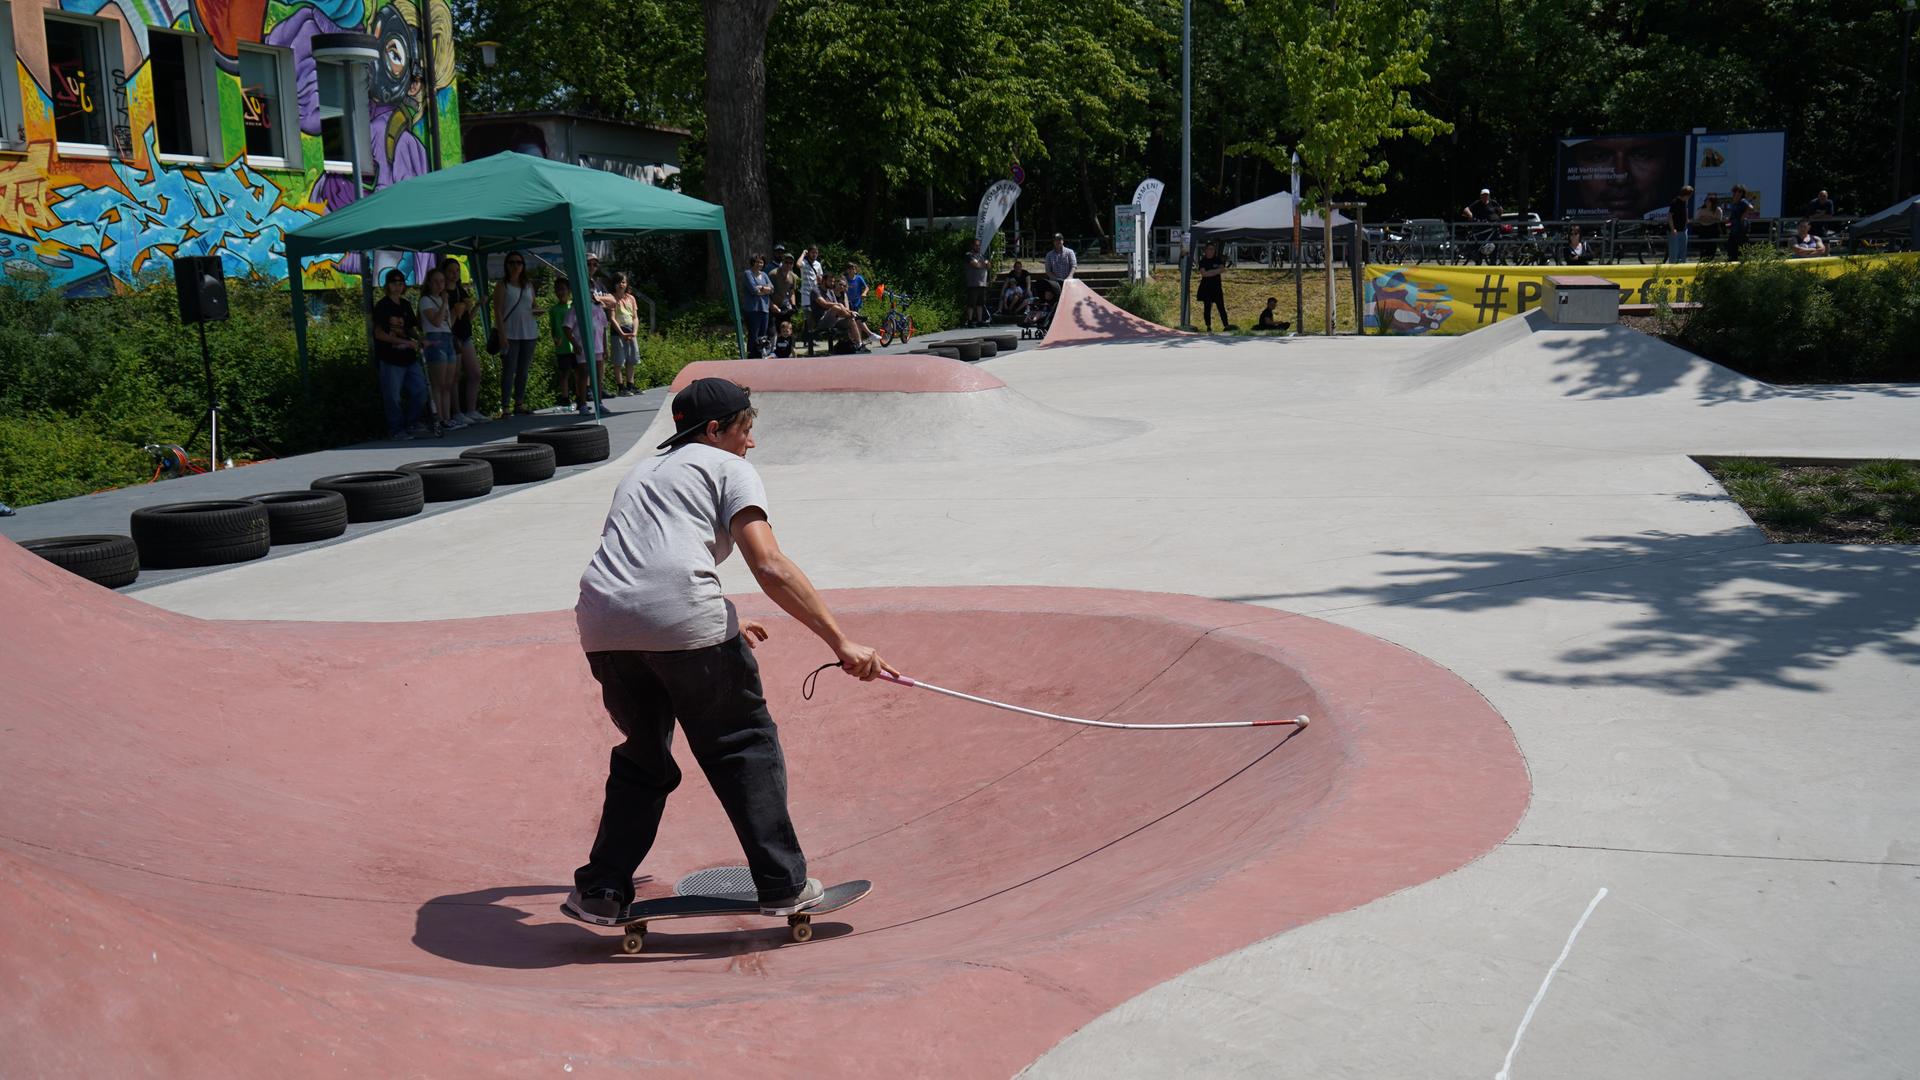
column 583, row 304
column 733, row 288
column 298, row 297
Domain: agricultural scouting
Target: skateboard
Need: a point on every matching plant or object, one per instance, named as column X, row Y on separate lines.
column 799, row 924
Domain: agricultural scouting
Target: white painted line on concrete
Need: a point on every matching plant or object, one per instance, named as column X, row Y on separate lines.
column 1544, row 983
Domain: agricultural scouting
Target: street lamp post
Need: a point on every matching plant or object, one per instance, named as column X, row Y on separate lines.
column 1186, row 163
column 1900, row 129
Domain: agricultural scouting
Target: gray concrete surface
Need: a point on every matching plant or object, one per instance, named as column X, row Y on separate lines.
column 1720, row 731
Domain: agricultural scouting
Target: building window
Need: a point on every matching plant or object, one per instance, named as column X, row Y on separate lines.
column 181, row 92
column 336, row 133
column 263, row 102
column 77, row 69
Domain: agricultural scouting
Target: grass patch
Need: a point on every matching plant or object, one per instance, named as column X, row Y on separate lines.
column 1871, row 502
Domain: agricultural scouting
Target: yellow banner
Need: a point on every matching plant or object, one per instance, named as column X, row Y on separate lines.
column 1462, row 299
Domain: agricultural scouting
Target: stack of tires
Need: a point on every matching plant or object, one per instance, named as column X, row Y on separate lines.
column 214, row 533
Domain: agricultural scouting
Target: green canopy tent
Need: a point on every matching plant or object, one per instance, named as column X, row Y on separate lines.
column 501, row 203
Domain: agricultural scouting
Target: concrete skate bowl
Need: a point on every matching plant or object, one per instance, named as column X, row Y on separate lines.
column 1529, row 356
column 296, row 849
column 893, row 408
column 1084, row 317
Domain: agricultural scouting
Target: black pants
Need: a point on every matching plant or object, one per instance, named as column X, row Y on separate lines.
column 715, row 694
column 1208, row 302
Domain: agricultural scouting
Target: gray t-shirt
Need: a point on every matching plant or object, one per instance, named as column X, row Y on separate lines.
column 1061, row 264
column 977, row 266
column 653, row 586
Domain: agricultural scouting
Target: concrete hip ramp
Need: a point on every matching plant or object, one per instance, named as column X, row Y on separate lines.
column 892, row 408
column 1084, row 317
column 302, row 849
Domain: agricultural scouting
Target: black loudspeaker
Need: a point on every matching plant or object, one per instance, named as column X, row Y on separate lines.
column 201, row 283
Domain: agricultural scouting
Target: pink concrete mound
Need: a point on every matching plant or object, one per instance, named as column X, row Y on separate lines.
column 914, row 374
column 1084, row 317
column 249, row 849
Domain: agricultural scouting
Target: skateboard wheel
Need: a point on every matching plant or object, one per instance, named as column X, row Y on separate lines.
column 803, row 931
column 633, row 943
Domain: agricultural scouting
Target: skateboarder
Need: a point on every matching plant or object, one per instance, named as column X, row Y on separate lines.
column 664, row 644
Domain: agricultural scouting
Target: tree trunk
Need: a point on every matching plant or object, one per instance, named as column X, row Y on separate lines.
column 736, row 166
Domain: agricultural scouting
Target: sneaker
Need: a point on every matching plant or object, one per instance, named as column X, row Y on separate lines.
column 603, row 906
column 800, row 901
column 475, row 417
column 454, row 424
column 439, row 430
column 401, row 436
column 584, row 409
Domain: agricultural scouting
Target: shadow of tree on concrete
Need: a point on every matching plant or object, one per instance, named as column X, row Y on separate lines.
column 1619, row 362
column 1692, row 619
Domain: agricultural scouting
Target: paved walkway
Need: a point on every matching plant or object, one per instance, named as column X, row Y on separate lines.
column 1718, row 730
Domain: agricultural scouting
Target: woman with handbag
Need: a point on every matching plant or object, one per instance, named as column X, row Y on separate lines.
column 514, row 332
column 467, row 400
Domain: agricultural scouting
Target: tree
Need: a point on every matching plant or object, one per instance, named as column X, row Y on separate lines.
column 1347, row 67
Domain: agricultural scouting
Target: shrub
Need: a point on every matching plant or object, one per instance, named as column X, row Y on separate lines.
column 1142, row 300
column 1770, row 318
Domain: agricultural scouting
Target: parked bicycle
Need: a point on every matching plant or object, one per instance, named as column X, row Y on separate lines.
column 895, row 325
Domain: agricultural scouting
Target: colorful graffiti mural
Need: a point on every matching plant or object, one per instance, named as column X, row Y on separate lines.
column 89, row 200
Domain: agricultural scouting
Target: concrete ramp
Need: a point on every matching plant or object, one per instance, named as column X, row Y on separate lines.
column 250, row 849
column 893, row 408
column 1084, row 317
column 1531, row 357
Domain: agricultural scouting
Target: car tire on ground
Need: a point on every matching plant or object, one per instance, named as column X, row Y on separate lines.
column 941, row 350
column 573, row 444
column 301, row 517
column 211, row 533
column 515, row 463
column 376, row 496
column 452, row 478
column 107, row 560
column 969, row 350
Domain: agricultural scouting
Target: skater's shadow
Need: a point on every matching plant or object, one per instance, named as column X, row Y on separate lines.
column 510, row 927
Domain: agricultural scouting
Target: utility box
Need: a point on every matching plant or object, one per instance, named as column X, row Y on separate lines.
column 1581, row 299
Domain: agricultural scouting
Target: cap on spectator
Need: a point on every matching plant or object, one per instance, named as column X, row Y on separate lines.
column 1486, row 191
column 702, row 400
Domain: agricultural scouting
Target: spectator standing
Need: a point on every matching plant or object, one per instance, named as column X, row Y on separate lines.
column 600, row 297
column 1679, row 211
column 809, row 286
column 1061, row 263
column 1821, row 206
column 974, row 268
column 518, row 329
column 623, row 332
column 785, row 281
column 396, row 344
column 563, row 323
column 443, row 364
column 1806, row 245
column 1708, row 224
column 783, row 340
column 1738, row 208
column 467, row 397
column 759, row 305
column 1210, row 291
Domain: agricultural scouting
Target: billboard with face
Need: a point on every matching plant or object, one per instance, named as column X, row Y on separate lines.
column 1619, row 176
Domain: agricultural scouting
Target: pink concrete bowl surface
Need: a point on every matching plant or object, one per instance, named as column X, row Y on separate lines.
column 339, row 848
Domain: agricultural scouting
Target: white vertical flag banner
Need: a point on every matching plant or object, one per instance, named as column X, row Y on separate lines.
column 995, row 205
column 1147, row 198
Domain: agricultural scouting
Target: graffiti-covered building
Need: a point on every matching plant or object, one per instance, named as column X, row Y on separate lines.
column 135, row 130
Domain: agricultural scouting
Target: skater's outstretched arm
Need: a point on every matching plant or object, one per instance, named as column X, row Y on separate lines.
column 786, row 584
